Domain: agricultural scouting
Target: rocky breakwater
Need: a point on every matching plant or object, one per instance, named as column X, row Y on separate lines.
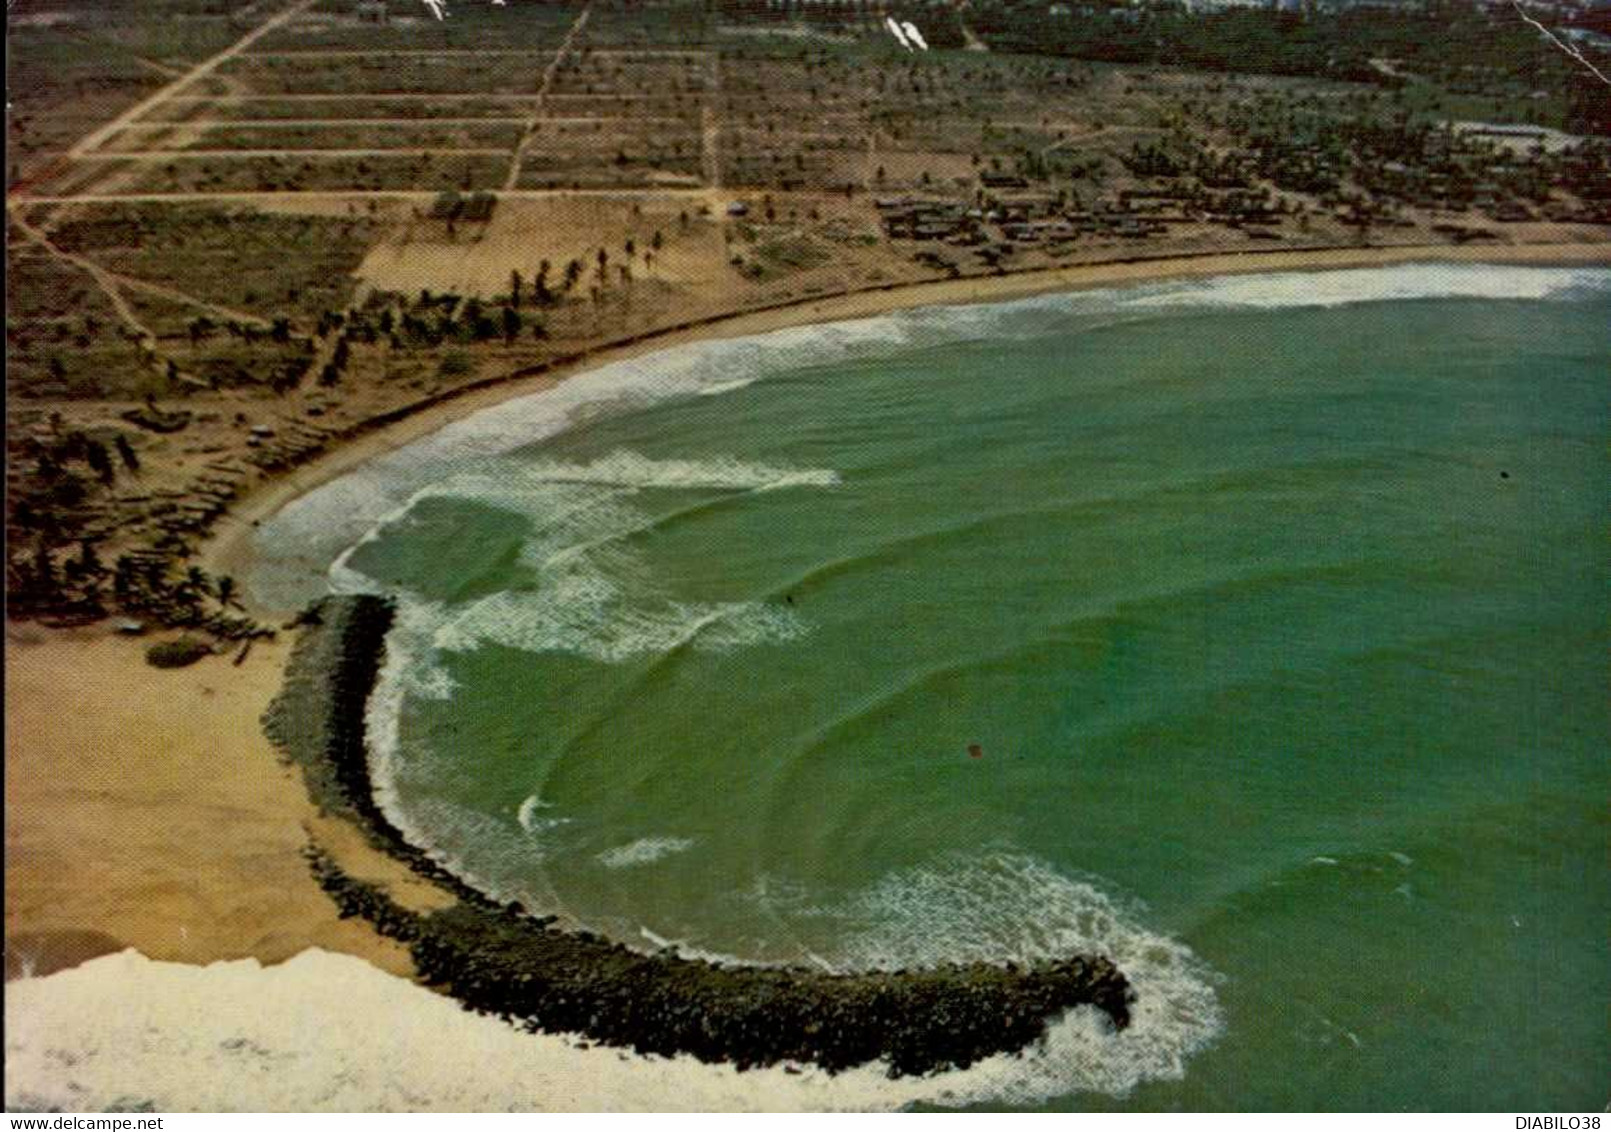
column 498, row 959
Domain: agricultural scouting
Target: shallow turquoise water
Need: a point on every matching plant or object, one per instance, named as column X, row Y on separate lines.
column 1259, row 642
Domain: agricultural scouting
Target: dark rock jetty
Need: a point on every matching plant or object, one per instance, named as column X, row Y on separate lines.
column 497, row 959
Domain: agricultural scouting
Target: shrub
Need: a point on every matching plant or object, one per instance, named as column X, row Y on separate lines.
column 455, row 364
column 177, row 654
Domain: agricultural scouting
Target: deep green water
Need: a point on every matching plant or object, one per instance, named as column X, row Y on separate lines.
column 1279, row 631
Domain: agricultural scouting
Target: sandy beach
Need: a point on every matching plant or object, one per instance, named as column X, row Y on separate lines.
column 121, row 782
column 120, row 776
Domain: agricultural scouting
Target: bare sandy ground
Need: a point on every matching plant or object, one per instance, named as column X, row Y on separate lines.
column 145, row 808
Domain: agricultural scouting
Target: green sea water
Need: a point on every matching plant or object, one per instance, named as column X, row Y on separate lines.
column 1249, row 631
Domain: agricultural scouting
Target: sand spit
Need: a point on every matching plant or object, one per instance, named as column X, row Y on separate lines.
column 496, row 959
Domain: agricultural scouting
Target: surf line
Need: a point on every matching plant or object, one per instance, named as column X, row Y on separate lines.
column 501, row 959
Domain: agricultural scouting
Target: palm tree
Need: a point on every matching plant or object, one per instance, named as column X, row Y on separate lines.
column 226, row 591
column 196, row 581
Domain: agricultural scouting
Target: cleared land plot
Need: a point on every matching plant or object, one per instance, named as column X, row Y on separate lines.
column 591, row 133
column 209, row 173
column 632, row 73
column 524, row 233
column 624, row 161
column 384, row 74
column 302, row 136
column 851, row 136
column 624, row 104
column 647, row 25
column 62, row 89
column 793, row 171
column 63, row 337
column 262, row 263
column 305, row 107
column 797, row 116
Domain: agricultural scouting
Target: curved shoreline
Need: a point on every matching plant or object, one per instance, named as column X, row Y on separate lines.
column 228, row 549
column 496, row 959
column 481, row 948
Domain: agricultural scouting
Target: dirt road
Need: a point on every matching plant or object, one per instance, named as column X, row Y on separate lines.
column 98, row 138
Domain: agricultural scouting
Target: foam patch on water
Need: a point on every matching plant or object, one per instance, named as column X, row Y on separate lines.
column 643, row 851
column 328, row 1032
column 592, row 595
column 629, row 469
column 587, row 615
column 526, row 814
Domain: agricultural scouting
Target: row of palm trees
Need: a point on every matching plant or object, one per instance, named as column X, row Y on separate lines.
column 46, row 582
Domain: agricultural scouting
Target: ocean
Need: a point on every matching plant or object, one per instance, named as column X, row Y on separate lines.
column 1250, row 631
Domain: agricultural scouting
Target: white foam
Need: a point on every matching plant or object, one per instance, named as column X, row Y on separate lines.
column 513, row 483
column 526, row 815
column 721, row 387
column 1375, row 285
column 591, row 596
column 720, row 958
column 643, row 851
column 586, row 614
column 1007, row 906
column 328, row 1032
